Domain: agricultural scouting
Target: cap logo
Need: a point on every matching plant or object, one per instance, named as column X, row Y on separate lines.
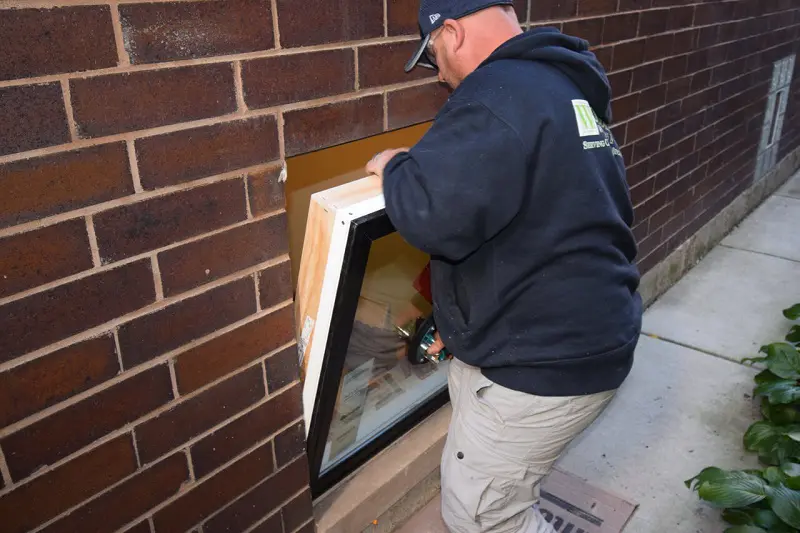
column 435, row 17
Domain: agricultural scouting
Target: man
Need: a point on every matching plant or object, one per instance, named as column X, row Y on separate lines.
column 518, row 192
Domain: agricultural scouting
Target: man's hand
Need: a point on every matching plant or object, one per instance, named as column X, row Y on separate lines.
column 380, row 160
column 437, row 346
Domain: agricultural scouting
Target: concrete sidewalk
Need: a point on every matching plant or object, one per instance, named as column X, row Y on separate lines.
column 688, row 400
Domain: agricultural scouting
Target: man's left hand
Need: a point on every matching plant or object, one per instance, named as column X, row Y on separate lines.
column 378, row 163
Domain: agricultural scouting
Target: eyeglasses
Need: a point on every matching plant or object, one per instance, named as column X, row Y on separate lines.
column 430, row 55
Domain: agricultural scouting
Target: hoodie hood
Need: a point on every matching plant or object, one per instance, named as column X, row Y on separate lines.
column 570, row 55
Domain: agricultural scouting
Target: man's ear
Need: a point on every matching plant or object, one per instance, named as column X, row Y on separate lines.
column 457, row 33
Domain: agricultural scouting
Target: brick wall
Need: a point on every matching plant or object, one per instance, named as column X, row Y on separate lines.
column 148, row 376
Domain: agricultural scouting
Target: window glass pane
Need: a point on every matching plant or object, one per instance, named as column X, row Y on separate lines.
column 378, row 385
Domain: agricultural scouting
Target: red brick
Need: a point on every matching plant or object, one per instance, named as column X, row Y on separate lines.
column 273, row 524
column 521, row 7
column 415, row 104
column 281, row 80
column 675, row 67
column 169, row 31
column 605, row 56
column 308, row 528
column 642, row 192
column 54, row 492
column 653, row 22
column 553, row 9
column 620, row 83
column 625, row 107
column 684, row 42
column 33, row 117
column 137, row 228
column 44, row 255
column 191, row 417
column 311, row 129
column 29, row 388
column 246, row 431
column 678, row 89
column 204, row 499
column 290, row 444
column 152, row 335
column 128, row 501
column 620, row 133
column 588, row 29
column 620, row 27
column 345, row 20
column 596, row 7
column 680, row 18
column 646, row 76
column 37, row 42
column 641, row 127
column 628, row 54
column 117, row 103
column 634, row 5
column 67, row 431
column 46, row 317
column 282, row 369
column 141, row 527
column 297, row 512
column 266, row 191
column 188, row 155
column 260, row 501
column 275, row 285
column 206, row 260
column 658, row 47
column 646, row 147
column 210, row 361
column 402, row 17
column 653, row 98
column 382, row 64
column 43, row 186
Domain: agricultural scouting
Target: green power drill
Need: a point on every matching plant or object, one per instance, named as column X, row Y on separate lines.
column 420, row 336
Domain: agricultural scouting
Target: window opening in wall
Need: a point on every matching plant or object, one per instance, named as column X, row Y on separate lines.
column 782, row 74
column 365, row 393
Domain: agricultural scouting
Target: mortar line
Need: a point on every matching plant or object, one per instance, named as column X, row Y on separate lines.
column 157, row 280
column 238, row 84
column 118, row 348
column 264, row 374
column 93, row 245
column 150, row 309
column 136, row 198
column 173, row 377
column 356, row 75
column 310, row 520
column 145, row 255
column 152, row 524
column 263, row 520
column 5, row 473
column 188, row 454
column 126, row 430
column 693, row 348
column 258, row 290
column 767, row 254
column 211, row 121
column 67, row 95
column 212, row 60
column 136, row 448
column 385, row 18
column 119, row 36
column 247, row 197
column 282, row 138
column 133, row 162
column 276, row 30
column 386, row 111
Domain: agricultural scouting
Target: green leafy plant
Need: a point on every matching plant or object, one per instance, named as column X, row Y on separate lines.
column 767, row 500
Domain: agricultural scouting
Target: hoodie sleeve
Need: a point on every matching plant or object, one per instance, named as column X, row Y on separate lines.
column 459, row 185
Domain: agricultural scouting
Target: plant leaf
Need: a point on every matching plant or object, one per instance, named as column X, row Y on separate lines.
column 794, row 335
column 772, row 442
column 774, row 475
column 783, row 360
column 738, row 517
column 786, row 504
column 793, row 313
column 765, row 376
column 760, row 436
column 767, row 518
column 728, row 488
column 780, row 414
column 745, row 529
column 781, row 392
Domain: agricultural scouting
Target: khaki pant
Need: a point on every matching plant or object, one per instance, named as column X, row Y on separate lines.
column 500, row 445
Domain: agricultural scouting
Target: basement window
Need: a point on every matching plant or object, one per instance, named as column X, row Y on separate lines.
column 368, row 295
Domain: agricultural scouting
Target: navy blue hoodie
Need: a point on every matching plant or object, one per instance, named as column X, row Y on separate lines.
column 518, row 192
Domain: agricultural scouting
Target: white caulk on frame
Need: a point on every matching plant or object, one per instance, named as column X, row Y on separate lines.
column 772, row 129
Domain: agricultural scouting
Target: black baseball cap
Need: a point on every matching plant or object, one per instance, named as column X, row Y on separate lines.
column 433, row 13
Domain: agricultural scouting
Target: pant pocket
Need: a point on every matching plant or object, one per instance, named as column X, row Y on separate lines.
column 469, row 495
